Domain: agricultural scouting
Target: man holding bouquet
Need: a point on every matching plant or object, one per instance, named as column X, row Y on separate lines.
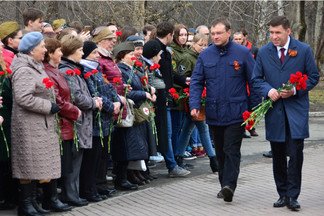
column 287, row 122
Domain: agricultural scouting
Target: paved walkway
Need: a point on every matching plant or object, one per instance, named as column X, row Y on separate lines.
column 197, row 196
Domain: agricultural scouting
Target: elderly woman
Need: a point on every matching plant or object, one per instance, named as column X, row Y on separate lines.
column 129, row 144
column 68, row 114
column 35, row 148
column 103, row 123
column 72, row 49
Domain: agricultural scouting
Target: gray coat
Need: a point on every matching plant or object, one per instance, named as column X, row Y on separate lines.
column 82, row 99
column 35, row 145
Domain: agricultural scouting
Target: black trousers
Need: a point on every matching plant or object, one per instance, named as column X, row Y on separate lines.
column 288, row 176
column 161, row 121
column 89, row 168
column 227, row 141
column 8, row 185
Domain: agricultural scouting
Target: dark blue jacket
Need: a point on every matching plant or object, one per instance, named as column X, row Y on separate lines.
column 227, row 96
column 99, row 88
column 270, row 73
column 137, row 94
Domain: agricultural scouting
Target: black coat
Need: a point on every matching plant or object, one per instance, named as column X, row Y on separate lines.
column 131, row 143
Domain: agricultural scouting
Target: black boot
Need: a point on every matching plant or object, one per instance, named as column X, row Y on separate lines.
column 38, row 208
column 213, row 164
column 51, row 200
column 26, row 207
column 121, row 182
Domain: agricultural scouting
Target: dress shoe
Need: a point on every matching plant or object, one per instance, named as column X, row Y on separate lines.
column 227, row 194
column 293, row 204
column 268, row 154
column 78, row 203
column 125, row 185
column 220, row 195
column 107, row 192
column 253, row 133
column 281, row 202
column 93, row 198
column 245, row 135
column 56, row 205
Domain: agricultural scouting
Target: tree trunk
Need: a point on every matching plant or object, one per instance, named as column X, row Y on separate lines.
column 281, row 11
column 318, row 25
column 139, row 14
column 303, row 26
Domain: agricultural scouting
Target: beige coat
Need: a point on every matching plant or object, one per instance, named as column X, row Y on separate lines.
column 35, row 146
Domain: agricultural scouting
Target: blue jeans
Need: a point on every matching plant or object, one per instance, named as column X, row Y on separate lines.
column 169, row 156
column 187, row 128
column 195, row 140
column 177, row 118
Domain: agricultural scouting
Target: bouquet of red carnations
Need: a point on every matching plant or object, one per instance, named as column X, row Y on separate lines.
column 251, row 119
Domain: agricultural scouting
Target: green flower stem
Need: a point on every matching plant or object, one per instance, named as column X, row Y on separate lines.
column 5, row 140
column 100, row 128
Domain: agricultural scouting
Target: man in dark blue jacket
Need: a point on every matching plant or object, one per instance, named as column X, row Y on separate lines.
column 287, row 121
column 224, row 67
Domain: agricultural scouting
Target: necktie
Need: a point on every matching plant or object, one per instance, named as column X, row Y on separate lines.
column 282, row 55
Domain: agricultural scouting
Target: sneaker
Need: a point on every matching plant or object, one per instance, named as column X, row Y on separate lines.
column 201, row 152
column 188, row 156
column 157, row 159
column 178, row 172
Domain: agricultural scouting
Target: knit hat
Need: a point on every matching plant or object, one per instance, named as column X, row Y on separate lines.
column 151, row 49
column 7, row 28
column 88, row 47
column 137, row 40
column 30, row 41
column 58, row 23
column 101, row 33
column 125, row 46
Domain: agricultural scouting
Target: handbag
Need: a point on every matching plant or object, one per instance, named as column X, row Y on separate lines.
column 129, row 120
column 142, row 113
column 202, row 114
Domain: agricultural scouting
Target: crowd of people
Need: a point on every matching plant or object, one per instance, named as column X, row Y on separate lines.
column 78, row 100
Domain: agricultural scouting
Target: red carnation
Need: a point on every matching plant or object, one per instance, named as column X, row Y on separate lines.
column 94, row 71
column 246, row 115
column 119, row 33
column 175, row 96
column 116, row 80
column 204, row 93
column 48, row 82
column 154, row 67
column 77, row 71
column 2, row 73
column 133, row 58
column 87, row 75
column 172, row 90
column 144, row 80
column 69, row 72
column 138, row 63
column 8, row 71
